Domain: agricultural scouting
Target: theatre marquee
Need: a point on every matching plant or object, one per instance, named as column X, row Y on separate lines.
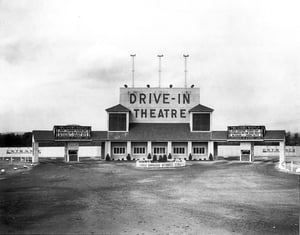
column 160, row 105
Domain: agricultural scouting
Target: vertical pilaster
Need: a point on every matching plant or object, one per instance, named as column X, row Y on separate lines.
column 252, row 152
column 149, row 147
column 169, row 147
column 108, row 148
column 35, row 152
column 129, row 147
column 189, row 150
column 127, row 121
column 281, row 153
column 210, row 148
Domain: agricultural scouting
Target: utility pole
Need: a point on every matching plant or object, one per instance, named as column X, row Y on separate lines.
column 133, row 55
column 159, row 69
column 185, row 70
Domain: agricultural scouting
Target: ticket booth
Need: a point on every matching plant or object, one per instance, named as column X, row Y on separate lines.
column 246, row 136
column 72, row 135
column 246, row 151
column 72, row 152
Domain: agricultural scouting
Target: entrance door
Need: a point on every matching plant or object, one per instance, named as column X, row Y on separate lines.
column 245, row 155
column 73, row 155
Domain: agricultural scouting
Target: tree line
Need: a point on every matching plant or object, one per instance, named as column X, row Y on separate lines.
column 16, row 140
column 292, row 138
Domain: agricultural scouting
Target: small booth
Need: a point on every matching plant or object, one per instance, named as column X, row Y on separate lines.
column 71, row 135
column 247, row 136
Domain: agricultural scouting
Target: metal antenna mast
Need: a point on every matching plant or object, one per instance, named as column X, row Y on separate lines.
column 159, row 69
column 185, row 69
column 133, row 69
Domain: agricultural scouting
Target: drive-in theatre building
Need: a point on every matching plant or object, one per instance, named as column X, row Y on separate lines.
column 153, row 122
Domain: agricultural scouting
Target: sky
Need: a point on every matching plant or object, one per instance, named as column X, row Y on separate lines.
column 63, row 61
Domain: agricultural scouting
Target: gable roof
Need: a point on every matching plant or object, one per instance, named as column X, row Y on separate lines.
column 118, row 108
column 274, row 135
column 201, row 108
column 219, row 135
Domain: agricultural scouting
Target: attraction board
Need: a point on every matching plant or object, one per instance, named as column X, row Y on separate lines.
column 72, row 132
column 246, row 132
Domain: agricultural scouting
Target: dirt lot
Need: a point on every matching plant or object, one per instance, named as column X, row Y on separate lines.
column 116, row 198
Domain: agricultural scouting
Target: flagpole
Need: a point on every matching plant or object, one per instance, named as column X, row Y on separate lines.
column 133, row 55
column 185, row 70
column 159, row 70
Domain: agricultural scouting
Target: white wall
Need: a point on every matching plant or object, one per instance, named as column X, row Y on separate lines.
column 16, row 152
column 264, row 151
column 89, row 151
column 48, row 152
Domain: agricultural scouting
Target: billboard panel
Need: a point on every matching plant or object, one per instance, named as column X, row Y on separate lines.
column 246, row 132
column 72, row 132
column 159, row 104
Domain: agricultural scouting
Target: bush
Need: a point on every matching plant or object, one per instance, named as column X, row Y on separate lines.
column 190, row 157
column 107, row 158
column 149, row 156
column 154, row 158
column 160, row 158
column 165, row 159
column 128, row 157
column 170, row 156
column 211, row 158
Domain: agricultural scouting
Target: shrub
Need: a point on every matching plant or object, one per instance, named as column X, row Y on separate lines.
column 154, row 158
column 190, row 157
column 149, row 156
column 165, row 159
column 211, row 158
column 107, row 158
column 128, row 157
column 170, row 156
column 160, row 158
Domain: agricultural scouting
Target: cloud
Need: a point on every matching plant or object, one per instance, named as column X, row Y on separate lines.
column 19, row 51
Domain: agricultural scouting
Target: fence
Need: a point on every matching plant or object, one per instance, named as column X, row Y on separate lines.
column 148, row 164
column 291, row 166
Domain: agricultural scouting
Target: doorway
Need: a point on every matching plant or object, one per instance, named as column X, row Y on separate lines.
column 246, row 155
column 73, row 155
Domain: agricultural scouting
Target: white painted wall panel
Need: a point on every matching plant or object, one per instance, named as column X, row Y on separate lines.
column 51, row 152
column 89, row 151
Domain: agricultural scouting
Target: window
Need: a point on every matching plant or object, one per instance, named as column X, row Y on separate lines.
column 159, row 150
column 139, row 150
column 179, row 150
column 199, row 150
column 201, row 122
column 119, row 150
column 117, row 122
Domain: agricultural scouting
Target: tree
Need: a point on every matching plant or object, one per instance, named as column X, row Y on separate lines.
column 128, row 157
column 296, row 139
column 107, row 158
column 288, row 138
